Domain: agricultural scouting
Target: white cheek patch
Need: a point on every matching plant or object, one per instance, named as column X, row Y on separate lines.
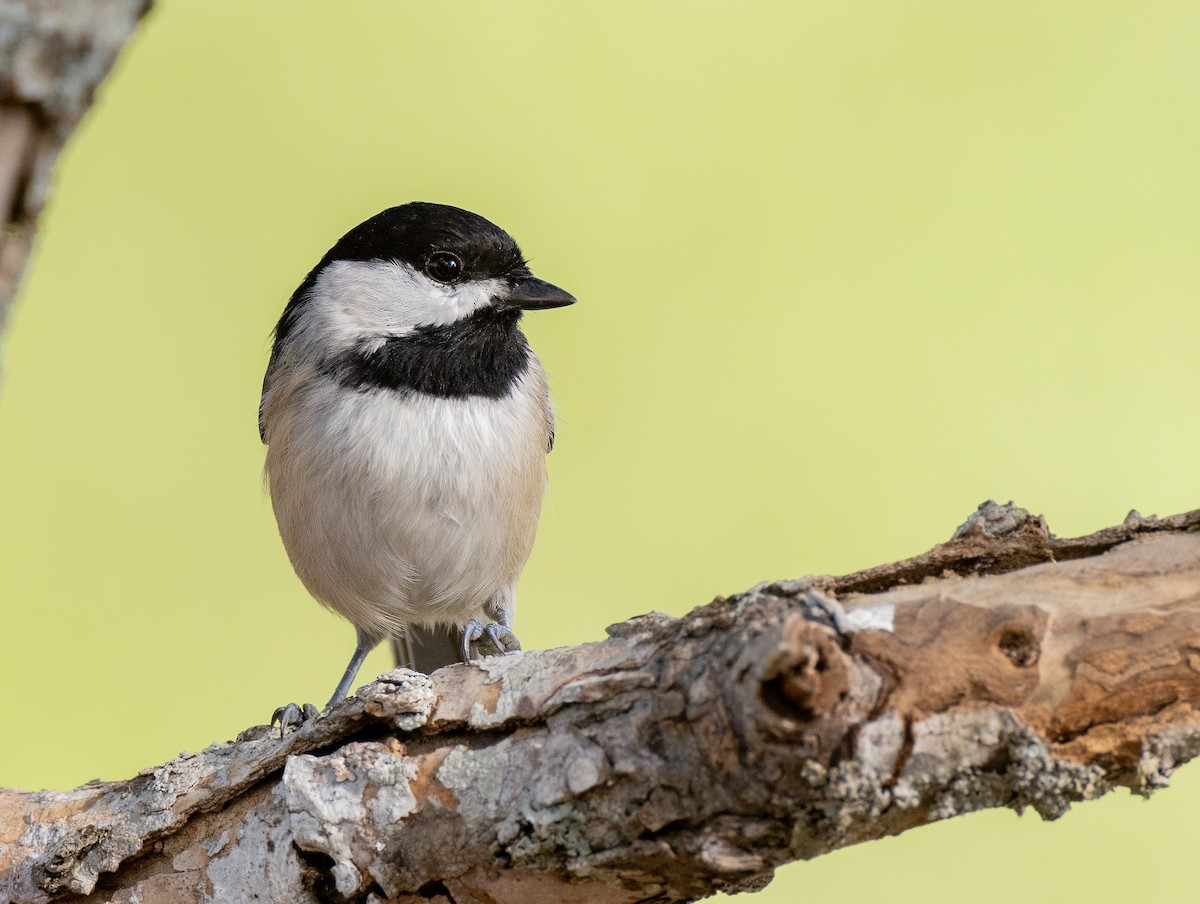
column 356, row 300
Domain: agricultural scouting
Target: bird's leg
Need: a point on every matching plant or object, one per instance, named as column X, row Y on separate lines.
column 366, row 643
column 292, row 716
column 498, row 632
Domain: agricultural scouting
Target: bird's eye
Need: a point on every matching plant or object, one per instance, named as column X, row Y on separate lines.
column 444, row 266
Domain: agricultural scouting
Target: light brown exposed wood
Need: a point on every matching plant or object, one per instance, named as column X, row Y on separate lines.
column 680, row 756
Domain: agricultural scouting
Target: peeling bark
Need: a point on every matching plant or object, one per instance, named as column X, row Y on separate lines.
column 679, row 757
column 53, row 55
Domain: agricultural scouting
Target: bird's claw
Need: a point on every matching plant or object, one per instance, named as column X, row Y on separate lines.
column 499, row 640
column 291, row 716
column 472, row 631
column 502, row 638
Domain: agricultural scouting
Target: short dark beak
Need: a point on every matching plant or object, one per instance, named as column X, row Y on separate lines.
column 533, row 294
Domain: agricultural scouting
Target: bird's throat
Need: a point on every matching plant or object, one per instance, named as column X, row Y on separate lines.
column 484, row 354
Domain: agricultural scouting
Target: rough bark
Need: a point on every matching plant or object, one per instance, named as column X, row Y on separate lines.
column 53, row 54
column 679, row 756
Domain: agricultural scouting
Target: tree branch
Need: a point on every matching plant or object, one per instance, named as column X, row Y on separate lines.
column 53, row 55
column 680, row 756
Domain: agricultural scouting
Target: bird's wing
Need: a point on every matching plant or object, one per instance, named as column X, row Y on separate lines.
column 262, row 408
column 548, row 411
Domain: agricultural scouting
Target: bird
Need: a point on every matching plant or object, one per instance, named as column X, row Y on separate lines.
column 407, row 423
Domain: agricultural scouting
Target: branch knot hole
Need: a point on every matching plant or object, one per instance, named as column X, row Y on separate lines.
column 1019, row 645
column 807, row 676
column 791, row 692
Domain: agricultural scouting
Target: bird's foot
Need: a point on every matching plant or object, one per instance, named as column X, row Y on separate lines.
column 291, row 717
column 492, row 639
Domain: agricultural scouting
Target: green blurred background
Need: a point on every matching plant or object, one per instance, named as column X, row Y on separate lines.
column 844, row 270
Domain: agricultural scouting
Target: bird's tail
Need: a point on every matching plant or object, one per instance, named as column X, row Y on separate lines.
column 427, row 648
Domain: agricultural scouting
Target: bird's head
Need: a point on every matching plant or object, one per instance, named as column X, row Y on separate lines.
column 410, row 268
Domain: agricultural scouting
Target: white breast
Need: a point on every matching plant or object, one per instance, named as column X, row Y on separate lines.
column 399, row 508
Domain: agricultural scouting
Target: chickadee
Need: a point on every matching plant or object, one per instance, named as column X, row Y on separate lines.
column 407, row 423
